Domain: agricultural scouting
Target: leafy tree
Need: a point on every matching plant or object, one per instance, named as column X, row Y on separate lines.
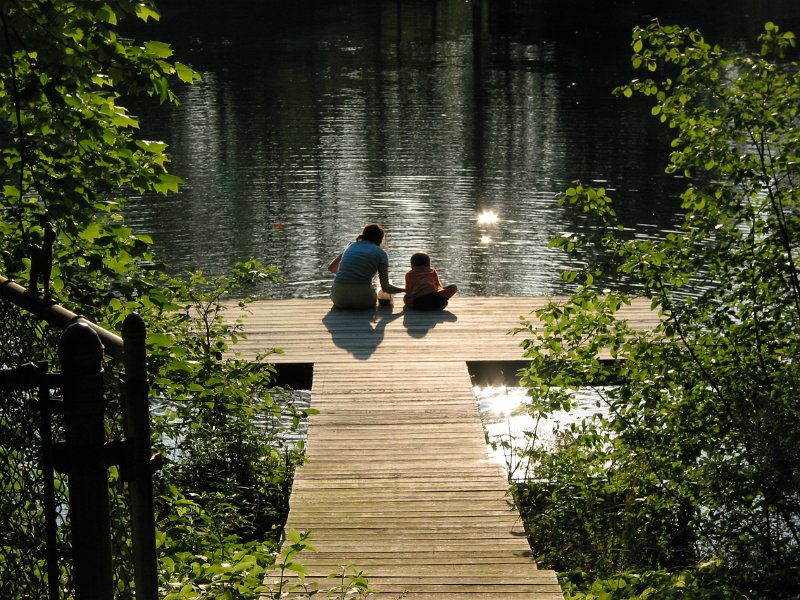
column 68, row 147
column 69, row 155
column 689, row 485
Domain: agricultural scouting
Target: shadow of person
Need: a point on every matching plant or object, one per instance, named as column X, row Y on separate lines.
column 359, row 332
column 418, row 323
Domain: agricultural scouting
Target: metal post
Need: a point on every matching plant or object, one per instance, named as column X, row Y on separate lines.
column 48, row 475
column 137, row 434
column 81, row 352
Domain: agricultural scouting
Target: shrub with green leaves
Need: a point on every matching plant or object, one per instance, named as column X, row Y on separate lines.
column 221, row 420
column 220, row 423
column 70, row 156
column 696, row 467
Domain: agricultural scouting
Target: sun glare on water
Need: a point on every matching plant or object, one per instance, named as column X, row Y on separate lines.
column 487, row 217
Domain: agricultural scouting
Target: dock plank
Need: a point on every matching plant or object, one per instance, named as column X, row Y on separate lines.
column 397, row 479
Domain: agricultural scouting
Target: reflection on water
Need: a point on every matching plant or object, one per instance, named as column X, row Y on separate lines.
column 487, row 217
column 300, row 400
column 510, row 428
column 315, row 118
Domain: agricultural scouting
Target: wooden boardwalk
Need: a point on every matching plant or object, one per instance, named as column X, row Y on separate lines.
column 398, row 480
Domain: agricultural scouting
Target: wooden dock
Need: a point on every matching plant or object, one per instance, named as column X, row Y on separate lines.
column 398, row 481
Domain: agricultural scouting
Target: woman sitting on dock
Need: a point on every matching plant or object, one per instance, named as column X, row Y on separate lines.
column 355, row 270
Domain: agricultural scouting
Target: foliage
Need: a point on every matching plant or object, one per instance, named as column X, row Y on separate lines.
column 352, row 583
column 70, row 157
column 698, row 459
column 693, row 583
column 200, row 558
column 68, row 147
column 220, row 422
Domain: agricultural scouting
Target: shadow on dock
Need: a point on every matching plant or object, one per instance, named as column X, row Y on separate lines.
column 360, row 332
column 419, row 323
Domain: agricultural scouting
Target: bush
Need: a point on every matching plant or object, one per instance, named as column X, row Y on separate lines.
column 698, row 460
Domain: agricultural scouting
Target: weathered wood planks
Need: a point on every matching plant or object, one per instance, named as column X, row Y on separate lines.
column 470, row 329
column 397, row 479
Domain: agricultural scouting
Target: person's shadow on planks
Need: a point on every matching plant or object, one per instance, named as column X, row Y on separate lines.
column 360, row 332
column 418, row 323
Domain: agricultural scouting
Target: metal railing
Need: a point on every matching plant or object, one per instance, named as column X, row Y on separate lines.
column 76, row 495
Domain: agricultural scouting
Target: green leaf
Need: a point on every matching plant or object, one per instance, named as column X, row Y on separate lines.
column 158, row 49
column 145, row 12
column 687, row 446
column 107, row 14
column 185, row 73
column 167, row 183
column 151, row 146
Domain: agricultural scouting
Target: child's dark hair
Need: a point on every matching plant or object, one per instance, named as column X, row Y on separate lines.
column 420, row 259
column 372, row 233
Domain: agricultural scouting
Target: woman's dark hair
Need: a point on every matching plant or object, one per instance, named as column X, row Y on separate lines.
column 420, row 259
column 372, row 233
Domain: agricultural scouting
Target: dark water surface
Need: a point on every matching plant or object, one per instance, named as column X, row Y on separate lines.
column 316, row 117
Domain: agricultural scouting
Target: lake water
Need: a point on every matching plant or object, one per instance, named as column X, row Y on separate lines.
column 510, row 429
column 316, row 117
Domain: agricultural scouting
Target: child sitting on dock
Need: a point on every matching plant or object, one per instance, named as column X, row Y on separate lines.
column 424, row 291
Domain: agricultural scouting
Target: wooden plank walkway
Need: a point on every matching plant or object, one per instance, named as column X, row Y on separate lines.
column 398, row 480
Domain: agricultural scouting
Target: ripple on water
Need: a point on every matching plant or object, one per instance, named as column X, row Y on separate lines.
column 510, row 428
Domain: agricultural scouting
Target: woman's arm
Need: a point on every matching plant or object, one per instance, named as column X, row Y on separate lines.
column 334, row 266
column 383, row 276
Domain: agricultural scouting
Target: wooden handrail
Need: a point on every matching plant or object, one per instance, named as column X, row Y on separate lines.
column 57, row 315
